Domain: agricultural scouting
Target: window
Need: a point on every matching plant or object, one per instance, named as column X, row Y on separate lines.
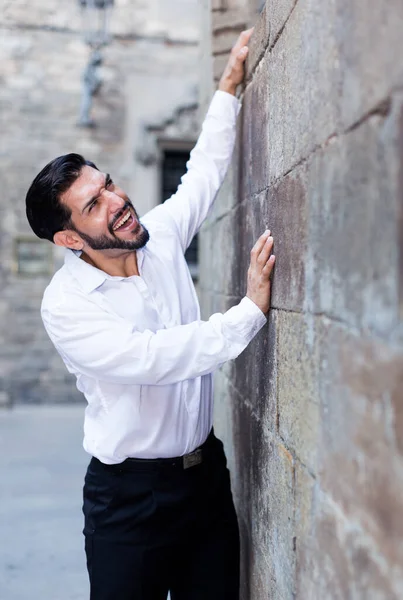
column 173, row 167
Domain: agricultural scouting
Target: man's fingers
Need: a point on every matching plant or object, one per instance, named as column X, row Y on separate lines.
column 258, row 247
column 243, row 53
column 267, row 269
column 242, row 40
column 265, row 251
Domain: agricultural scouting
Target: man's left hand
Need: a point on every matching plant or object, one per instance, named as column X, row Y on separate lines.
column 234, row 72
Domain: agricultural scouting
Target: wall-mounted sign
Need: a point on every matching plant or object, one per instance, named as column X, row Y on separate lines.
column 33, row 256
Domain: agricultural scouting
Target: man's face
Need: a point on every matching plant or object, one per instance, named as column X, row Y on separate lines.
column 102, row 214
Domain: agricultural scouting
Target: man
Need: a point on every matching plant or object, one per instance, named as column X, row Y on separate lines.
column 123, row 314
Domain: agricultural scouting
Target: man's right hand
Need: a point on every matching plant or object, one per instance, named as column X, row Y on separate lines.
column 260, row 268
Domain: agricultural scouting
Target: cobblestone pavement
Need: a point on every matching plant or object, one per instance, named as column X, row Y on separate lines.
column 42, row 466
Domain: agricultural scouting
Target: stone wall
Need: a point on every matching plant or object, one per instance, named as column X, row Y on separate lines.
column 149, row 78
column 312, row 412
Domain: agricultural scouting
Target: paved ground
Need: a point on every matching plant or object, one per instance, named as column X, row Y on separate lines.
column 42, row 466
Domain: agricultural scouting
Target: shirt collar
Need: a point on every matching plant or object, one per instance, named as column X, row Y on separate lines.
column 89, row 277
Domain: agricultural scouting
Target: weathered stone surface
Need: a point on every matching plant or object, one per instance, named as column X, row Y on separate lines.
column 218, row 5
column 354, row 210
column 366, row 83
column 268, row 28
column 319, row 158
column 310, row 60
column 298, row 386
column 339, row 561
column 277, row 14
column 254, row 385
column 229, row 19
column 224, row 41
column 220, row 243
column 264, row 497
column 258, row 42
column 361, row 387
column 285, row 209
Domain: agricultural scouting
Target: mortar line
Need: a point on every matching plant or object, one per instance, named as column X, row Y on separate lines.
column 270, row 47
column 382, row 109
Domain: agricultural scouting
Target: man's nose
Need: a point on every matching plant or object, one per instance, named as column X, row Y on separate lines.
column 115, row 202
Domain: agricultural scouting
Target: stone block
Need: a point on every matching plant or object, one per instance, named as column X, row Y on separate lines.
column 224, row 40
column 265, row 504
column 258, row 42
column 339, row 561
column 254, row 374
column 286, row 210
column 314, row 56
column 222, row 255
column 257, row 123
column 298, row 385
column 251, row 219
column 218, row 5
column 243, row 149
column 306, row 505
column 277, row 14
column 361, row 385
column 268, row 27
column 301, row 78
column 354, row 185
column 229, row 19
column 367, row 32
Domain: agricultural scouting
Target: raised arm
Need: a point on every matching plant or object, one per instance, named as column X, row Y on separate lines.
column 210, row 158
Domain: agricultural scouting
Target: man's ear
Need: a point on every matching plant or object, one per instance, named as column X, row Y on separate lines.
column 68, row 239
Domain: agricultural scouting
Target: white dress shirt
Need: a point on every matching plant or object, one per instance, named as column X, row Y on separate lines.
column 141, row 355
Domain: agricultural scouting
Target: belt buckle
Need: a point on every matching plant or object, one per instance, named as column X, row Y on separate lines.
column 193, row 458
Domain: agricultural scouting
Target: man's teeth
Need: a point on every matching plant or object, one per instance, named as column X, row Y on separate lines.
column 122, row 221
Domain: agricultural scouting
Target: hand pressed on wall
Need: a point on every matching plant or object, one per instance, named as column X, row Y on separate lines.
column 260, row 269
column 234, row 71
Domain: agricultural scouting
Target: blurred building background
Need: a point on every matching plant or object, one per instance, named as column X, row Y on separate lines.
column 312, row 412
column 145, row 114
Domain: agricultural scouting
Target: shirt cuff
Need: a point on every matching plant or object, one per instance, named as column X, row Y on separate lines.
column 224, row 106
column 245, row 319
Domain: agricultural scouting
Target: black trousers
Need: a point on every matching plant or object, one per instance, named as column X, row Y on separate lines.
column 154, row 527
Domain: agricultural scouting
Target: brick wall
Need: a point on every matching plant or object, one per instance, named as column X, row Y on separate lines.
column 312, row 412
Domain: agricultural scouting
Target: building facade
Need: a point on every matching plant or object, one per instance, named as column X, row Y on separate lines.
column 146, row 120
column 312, row 412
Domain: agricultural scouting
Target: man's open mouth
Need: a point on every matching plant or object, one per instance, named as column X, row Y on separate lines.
column 125, row 222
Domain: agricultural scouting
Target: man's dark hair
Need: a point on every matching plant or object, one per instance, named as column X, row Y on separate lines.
column 45, row 212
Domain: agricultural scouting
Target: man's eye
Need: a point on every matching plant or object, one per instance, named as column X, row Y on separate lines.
column 110, row 182
column 92, row 205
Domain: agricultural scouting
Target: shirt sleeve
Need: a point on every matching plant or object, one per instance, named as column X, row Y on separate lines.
column 104, row 346
column 206, row 169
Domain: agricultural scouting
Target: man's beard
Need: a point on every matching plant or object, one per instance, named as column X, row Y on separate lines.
column 104, row 242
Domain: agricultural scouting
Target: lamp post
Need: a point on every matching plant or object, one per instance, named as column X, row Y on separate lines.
column 95, row 27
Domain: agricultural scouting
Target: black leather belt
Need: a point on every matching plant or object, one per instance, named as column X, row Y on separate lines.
column 184, row 462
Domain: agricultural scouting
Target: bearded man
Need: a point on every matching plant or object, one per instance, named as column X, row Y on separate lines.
column 124, row 316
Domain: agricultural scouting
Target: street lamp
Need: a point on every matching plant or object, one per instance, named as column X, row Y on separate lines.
column 95, row 27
